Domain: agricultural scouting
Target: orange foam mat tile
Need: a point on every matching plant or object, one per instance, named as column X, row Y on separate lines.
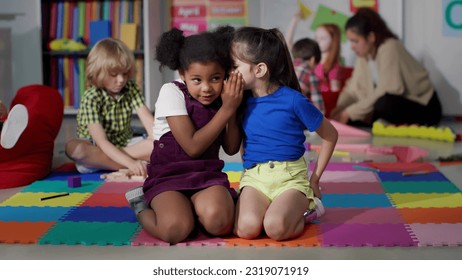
column 23, row 232
column 309, row 238
column 431, row 215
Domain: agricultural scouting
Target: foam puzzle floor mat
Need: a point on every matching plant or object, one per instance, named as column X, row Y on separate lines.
column 364, row 207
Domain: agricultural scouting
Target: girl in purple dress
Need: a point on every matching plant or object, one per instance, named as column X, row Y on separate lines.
column 194, row 117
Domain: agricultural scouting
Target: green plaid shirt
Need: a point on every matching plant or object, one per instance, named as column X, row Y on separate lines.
column 97, row 106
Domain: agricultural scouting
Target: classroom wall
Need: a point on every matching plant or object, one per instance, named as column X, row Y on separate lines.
column 22, row 19
column 441, row 55
column 421, row 22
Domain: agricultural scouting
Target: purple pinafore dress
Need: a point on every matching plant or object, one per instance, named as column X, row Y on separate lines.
column 171, row 169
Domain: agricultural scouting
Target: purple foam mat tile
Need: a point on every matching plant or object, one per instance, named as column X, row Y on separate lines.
column 118, row 187
column 352, row 188
column 373, row 235
column 362, row 216
column 437, row 234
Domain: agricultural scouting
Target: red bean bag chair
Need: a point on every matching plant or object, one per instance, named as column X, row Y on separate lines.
column 32, row 156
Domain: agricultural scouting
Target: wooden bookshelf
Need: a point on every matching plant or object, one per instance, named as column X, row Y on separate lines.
column 70, row 19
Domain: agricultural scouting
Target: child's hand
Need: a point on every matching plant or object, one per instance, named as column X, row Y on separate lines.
column 298, row 14
column 138, row 168
column 233, row 90
column 316, row 189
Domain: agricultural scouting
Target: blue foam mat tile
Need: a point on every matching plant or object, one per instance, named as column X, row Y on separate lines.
column 101, row 214
column 398, row 176
column 233, row 166
column 32, row 214
column 356, row 201
column 62, row 176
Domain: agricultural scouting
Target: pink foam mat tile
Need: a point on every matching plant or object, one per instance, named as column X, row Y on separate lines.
column 359, row 235
column 106, row 199
column 118, row 187
column 349, row 176
column 199, row 239
column 340, row 166
column 351, row 188
column 403, row 166
column 362, row 216
column 427, row 235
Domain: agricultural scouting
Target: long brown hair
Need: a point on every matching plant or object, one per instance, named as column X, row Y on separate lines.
column 366, row 21
column 255, row 45
column 334, row 52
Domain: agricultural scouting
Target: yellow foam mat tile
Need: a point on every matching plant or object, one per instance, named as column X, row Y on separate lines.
column 426, row 200
column 34, row 199
column 234, row 176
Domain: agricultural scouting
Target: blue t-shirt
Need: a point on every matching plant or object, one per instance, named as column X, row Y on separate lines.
column 274, row 126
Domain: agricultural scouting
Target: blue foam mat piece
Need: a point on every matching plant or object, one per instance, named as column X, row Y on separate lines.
column 32, row 214
column 101, row 214
column 356, row 201
column 398, row 176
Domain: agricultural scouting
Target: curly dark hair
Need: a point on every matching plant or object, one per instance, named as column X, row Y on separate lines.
column 177, row 51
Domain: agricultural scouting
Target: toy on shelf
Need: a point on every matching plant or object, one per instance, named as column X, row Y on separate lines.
column 122, row 175
column 66, row 45
column 442, row 133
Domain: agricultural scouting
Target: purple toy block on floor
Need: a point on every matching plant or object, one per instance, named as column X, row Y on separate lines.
column 74, row 182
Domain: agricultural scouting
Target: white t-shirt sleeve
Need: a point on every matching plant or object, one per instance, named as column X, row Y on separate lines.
column 169, row 103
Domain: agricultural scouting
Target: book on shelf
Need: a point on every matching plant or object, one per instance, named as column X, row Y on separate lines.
column 87, row 22
column 99, row 29
column 128, row 34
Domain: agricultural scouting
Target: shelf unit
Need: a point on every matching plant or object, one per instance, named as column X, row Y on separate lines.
column 70, row 82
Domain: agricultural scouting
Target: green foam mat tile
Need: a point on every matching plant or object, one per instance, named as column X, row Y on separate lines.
column 62, row 186
column 420, row 187
column 90, row 233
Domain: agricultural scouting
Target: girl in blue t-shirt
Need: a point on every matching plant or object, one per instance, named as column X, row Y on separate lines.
column 276, row 195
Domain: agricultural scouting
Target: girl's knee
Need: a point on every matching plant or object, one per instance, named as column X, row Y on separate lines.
column 175, row 231
column 248, row 227
column 217, row 221
column 76, row 150
column 276, row 228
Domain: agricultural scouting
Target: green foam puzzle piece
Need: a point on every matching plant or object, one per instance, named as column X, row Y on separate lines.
column 325, row 14
column 419, row 187
column 90, row 233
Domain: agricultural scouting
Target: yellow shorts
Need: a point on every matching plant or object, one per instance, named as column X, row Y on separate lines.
column 275, row 177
